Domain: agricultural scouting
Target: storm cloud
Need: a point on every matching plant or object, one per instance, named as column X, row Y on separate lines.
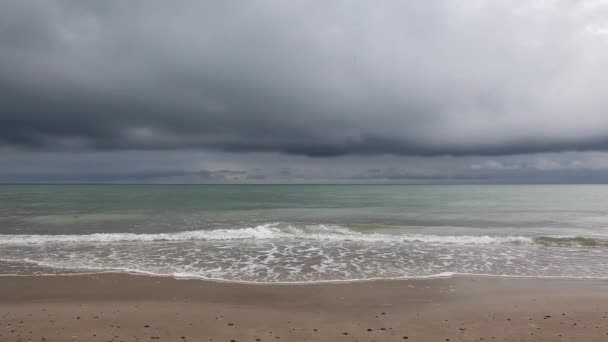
column 412, row 78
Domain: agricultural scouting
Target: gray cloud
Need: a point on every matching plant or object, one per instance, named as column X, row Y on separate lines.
column 125, row 176
column 218, row 167
column 406, row 78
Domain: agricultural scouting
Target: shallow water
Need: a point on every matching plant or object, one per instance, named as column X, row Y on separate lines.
column 284, row 233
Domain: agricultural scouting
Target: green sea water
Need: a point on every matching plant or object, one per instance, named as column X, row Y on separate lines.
column 276, row 233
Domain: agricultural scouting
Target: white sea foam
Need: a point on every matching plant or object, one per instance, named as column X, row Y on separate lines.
column 281, row 252
column 265, row 232
column 311, row 260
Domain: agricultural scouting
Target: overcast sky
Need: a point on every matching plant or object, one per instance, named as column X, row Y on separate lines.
column 392, row 91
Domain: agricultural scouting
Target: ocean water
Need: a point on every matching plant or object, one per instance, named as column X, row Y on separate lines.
column 306, row 233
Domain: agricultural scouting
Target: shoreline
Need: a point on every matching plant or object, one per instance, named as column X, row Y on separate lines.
column 444, row 275
column 91, row 272
column 119, row 306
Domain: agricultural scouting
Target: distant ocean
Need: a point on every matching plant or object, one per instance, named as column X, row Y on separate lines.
column 306, row 233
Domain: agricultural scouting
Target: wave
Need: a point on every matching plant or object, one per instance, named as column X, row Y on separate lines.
column 570, row 241
column 321, row 232
column 262, row 232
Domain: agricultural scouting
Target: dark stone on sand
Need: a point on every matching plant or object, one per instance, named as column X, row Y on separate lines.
column 382, row 328
column 146, row 326
column 232, row 340
column 405, row 337
column 230, row 324
column 369, row 329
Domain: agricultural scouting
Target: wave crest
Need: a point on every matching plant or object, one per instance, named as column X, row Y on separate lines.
column 320, row 232
column 570, row 241
column 265, row 232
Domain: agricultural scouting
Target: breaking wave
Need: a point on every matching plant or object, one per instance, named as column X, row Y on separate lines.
column 306, row 232
column 570, row 241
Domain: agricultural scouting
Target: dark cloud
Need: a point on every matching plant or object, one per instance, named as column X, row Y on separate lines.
column 405, row 78
column 218, row 167
column 491, row 177
column 257, row 177
column 125, row 176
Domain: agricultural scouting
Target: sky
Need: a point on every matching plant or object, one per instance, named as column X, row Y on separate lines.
column 273, row 91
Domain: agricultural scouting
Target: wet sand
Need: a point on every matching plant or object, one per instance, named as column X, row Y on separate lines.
column 120, row 307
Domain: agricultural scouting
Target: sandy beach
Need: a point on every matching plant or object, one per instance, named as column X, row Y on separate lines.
column 121, row 307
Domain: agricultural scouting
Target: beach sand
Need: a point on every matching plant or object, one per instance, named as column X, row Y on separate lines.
column 121, row 307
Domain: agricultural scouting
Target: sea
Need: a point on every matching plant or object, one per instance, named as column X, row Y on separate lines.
column 306, row 233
